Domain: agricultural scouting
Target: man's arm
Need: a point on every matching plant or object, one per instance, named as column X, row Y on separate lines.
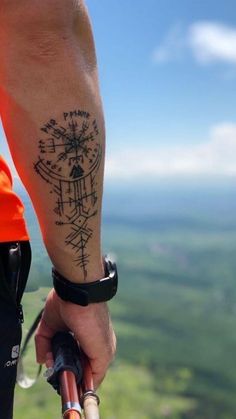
column 53, row 119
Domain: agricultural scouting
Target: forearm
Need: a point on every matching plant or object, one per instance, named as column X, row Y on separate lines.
column 52, row 115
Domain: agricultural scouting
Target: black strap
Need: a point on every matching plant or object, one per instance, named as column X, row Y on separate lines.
column 22, row 379
column 90, row 292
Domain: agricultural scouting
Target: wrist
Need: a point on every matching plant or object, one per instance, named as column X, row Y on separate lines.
column 75, row 274
column 83, row 294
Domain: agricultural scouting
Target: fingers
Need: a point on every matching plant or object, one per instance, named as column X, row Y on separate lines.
column 94, row 373
column 97, row 380
column 91, row 326
column 48, row 326
column 94, row 332
column 99, row 370
column 49, row 360
column 43, row 337
column 100, row 365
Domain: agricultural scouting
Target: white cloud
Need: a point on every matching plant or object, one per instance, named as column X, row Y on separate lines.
column 215, row 157
column 207, row 41
column 212, row 42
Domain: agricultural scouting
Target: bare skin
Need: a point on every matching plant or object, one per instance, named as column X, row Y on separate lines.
column 92, row 328
column 52, row 115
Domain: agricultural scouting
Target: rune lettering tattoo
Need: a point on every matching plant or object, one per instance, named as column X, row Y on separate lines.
column 69, row 159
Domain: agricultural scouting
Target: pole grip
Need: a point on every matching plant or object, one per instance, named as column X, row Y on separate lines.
column 66, row 356
column 72, row 375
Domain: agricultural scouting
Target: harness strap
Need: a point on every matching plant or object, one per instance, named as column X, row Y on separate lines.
column 22, row 379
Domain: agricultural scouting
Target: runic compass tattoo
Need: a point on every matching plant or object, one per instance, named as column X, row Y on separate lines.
column 69, row 159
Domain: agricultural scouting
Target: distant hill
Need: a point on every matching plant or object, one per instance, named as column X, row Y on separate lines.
column 176, row 307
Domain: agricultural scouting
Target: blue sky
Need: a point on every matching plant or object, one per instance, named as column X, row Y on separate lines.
column 168, row 77
column 162, row 99
column 167, row 100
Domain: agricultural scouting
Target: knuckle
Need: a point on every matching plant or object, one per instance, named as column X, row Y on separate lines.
column 36, row 338
column 111, row 351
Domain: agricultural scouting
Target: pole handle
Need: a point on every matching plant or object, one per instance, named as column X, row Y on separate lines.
column 66, row 356
column 90, row 406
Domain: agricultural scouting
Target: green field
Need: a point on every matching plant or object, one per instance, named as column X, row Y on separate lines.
column 174, row 314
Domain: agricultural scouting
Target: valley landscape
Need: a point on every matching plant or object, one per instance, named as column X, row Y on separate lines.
column 175, row 313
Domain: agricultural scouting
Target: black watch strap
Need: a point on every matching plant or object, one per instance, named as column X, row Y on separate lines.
column 90, row 292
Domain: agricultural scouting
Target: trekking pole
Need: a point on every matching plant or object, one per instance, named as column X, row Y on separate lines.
column 72, row 378
column 71, row 408
column 90, row 400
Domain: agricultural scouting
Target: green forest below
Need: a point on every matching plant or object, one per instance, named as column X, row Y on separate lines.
column 175, row 311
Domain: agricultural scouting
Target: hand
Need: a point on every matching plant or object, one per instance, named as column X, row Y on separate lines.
column 91, row 326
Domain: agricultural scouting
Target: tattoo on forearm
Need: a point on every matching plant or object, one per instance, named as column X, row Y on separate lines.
column 69, row 159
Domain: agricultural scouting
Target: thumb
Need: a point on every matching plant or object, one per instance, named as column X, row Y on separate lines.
column 43, row 337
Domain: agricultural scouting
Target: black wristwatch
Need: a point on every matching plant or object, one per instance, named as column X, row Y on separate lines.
column 90, row 292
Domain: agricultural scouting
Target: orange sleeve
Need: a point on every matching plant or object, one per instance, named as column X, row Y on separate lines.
column 12, row 224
